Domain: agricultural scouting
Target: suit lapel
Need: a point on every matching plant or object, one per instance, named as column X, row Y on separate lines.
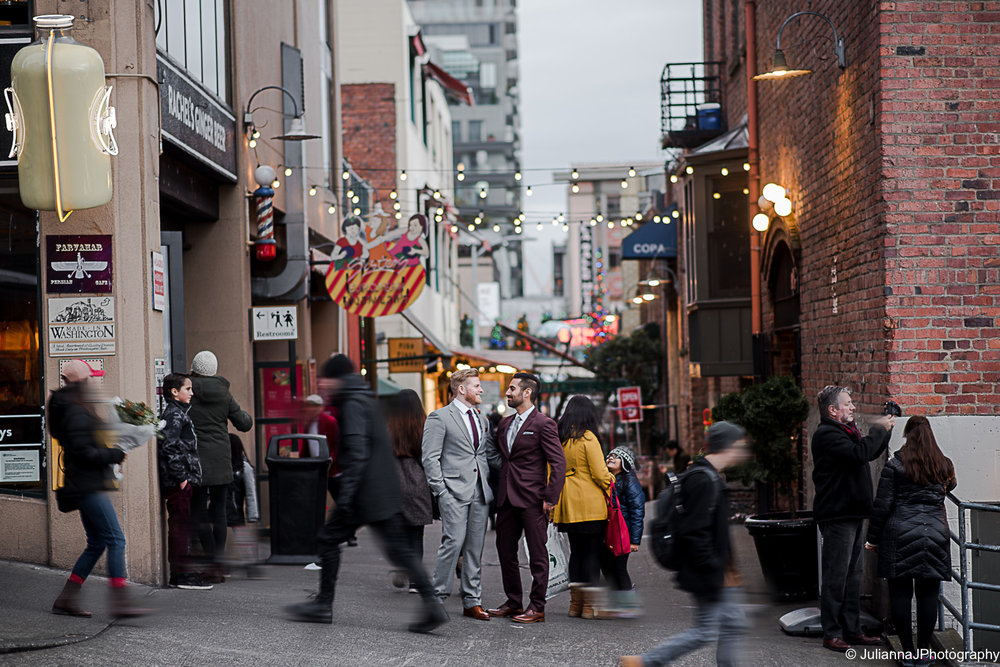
column 460, row 420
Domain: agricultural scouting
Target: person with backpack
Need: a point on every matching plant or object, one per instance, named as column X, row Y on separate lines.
column 703, row 556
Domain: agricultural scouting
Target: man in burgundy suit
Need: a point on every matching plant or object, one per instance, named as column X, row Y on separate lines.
column 532, row 472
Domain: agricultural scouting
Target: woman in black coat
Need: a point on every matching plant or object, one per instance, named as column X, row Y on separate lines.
column 909, row 528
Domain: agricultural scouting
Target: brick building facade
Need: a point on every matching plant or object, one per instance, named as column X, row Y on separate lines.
column 886, row 275
column 369, row 112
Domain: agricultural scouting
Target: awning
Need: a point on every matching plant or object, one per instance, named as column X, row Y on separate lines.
column 426, row 332
column 512, row 358
column 450, row 83
column 654, row 240
column 387, row 387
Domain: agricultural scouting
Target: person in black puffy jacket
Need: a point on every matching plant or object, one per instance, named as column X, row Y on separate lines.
column 909, row 529
column 628, row 489
column 180, row 471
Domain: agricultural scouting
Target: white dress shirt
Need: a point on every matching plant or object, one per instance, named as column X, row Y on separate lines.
column 516, row 426
column 465, row 409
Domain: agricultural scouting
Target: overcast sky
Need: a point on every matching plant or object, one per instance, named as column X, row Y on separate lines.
column 589, row 83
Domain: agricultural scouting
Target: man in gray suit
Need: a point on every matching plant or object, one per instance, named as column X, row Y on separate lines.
column 457, row 453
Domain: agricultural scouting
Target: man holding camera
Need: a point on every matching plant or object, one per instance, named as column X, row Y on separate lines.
column 843, row 502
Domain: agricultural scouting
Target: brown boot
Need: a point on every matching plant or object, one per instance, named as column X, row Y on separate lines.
column 575, row 600
column 122, row 605
column 68, row 602
column 590, row 602
column 630, row 661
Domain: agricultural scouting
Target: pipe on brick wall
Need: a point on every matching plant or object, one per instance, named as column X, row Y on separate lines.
column 753, row 158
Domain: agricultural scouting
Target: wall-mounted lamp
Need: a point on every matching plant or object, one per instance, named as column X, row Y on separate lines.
column 296, row 131
column 780, row 69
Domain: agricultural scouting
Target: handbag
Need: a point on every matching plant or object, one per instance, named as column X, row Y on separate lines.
column 616, row 534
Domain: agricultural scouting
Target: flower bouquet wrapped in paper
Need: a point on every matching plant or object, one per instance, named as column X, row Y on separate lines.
column 134, row 422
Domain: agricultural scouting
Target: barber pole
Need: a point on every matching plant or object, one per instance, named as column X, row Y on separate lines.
column 266, row 247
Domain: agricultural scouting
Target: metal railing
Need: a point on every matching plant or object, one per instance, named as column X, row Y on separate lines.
column 963, row 577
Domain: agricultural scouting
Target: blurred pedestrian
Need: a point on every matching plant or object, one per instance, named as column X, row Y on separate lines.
column 243, row 511
column 73, row 417
column 707, row 572
column 457, row 453
column 582, row 510
column 406, row 427
column 532, row 474
column 681, row 460
column 211, row 408
column 843, row 501
column 180, row 471
column 369, row 495
column 909, row 528
column 624, row 601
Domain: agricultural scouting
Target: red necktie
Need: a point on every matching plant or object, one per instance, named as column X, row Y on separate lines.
column 475, row 431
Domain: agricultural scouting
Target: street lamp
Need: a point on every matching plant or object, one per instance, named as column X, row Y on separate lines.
column 780, row 69
column 297, row 129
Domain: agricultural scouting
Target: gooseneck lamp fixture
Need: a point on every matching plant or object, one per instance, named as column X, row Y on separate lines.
column 780, row 69
column 296, row 131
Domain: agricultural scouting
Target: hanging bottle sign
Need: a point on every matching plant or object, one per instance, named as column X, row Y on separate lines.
column 61, row 120
column 376, row 271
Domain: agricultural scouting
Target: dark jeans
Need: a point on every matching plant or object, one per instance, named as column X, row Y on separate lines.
column 900, row 593
column 208, row 507
column 615, row 569
column 103, row 532
column 585, row 549
column 394, row 540
column 178, row 502
column 415, row 537
column 840, row 598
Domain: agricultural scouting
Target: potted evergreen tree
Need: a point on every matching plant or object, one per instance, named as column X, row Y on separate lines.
column 772, row 413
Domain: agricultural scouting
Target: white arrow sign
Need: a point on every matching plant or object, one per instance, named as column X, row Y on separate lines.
column 275, row 323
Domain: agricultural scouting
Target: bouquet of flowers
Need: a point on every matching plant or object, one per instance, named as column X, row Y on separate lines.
column 134, row 422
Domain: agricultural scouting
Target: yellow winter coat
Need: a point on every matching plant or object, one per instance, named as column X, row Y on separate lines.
column 587, row 480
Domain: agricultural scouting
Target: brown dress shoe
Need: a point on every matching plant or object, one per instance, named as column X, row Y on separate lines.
column 836, row 644
column 506, row 609
column 863, row 640
column 477, row 613
column 530, row 616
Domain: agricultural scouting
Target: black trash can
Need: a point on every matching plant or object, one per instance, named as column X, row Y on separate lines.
column 297, row 487
column 786, row 548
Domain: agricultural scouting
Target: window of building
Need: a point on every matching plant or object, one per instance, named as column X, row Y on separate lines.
column 488, row 75
column 194, row 33
column 614, row 206
column 479, row 34
column 614, row 258
column 558, row 277
column 456, row 130
column 728, row 243
column 475, row 131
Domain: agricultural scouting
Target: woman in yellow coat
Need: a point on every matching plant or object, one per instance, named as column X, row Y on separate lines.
column 582, row 510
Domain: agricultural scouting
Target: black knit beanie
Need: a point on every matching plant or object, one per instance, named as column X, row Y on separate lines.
column 722, row 435
column 337, row 366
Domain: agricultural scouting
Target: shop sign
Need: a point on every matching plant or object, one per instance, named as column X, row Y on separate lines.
column 159, row 372
column 488, row 303
column 20, row 430
column 20, row 466
column 586, row 269
column 78, row 264
column 630, row 404
column 9, row 46
column 81, row 325
column 274, row 323
column 195, row 121
column 406, row 347
column 376, row 270
column 159, row 282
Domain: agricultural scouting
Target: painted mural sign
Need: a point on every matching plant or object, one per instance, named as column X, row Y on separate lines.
column 78, row 264
column 376, row 269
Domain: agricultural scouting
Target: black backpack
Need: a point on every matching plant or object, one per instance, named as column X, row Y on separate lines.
column 667, row 524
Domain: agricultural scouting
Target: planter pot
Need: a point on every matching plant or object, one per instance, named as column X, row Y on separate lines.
column 786, row 548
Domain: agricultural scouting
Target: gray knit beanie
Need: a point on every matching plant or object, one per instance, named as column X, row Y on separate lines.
column 626, row 456
column 722, row 435
column 205, row 363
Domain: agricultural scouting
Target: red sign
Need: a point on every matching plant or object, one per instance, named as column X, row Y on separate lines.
column 630, row 404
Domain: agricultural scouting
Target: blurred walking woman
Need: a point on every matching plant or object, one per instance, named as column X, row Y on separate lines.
column 406, row 428
column 74, row 422
column 582, row 510
column 909, row 528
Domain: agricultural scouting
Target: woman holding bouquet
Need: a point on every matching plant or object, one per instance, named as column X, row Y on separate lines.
column 73, row 421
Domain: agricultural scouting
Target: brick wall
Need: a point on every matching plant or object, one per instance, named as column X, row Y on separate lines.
column 369, row 117
column 940, row 70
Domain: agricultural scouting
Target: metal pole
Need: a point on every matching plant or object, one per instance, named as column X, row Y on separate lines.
column 963, row 553
column 475, row 295
column 663, row 368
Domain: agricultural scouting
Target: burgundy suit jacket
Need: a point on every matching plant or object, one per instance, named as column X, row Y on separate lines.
column 535, row 468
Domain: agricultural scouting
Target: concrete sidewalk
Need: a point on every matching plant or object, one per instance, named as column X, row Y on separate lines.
column 242, row 622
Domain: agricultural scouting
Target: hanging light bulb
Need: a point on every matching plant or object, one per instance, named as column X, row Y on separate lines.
column 760, row 222
column 575, row 187
column 357, row 211
column 399, row 216
column 520, row 216
column 402, row 175
column 539, row 226
column 482, row 193
column 517, row 230
column 624, row 184
column 611, row 224
column 637, row 300
column 355, row 199
column 276, row 184
column 638, row 217
column 350, row 193
column 725, row 172
column 575, row 175
column 673, row 178
column 746, row 166
column 716, row 195
column 437, row 194
column 528, row 192
column 288, row 171
column 689, row 170
column 471, row 227
column 593, row 222
column 600, row 218
column 773, row 192
column 460, row 176
column 312, row 190
column 346, row 175
column 565, row 227
column 252, row 143
column 517, row 176
column 783, row 206
column 496, row 228
column 631, row 172
column 656, row 218
column 454, row 229
column 331, row 209
column 392, row 194
column 256, row 134
column 675, row 214
column 746, row 191
column 561, row 217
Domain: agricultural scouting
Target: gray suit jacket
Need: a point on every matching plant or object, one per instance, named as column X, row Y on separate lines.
column 450, row 460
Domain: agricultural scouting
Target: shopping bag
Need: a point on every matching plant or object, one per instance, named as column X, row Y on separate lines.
column 616, row 536
column 558, row 561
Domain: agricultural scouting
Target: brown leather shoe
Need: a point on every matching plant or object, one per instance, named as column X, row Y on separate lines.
column 836, row 644
column 506, row 609
column 476, row 612
column 530, row 616
column 863, row 640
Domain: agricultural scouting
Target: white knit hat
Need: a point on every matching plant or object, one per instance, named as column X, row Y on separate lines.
column 205, row 363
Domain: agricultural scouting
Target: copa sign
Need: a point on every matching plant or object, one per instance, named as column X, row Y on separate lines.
column 649, row 249
column 653, row 240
